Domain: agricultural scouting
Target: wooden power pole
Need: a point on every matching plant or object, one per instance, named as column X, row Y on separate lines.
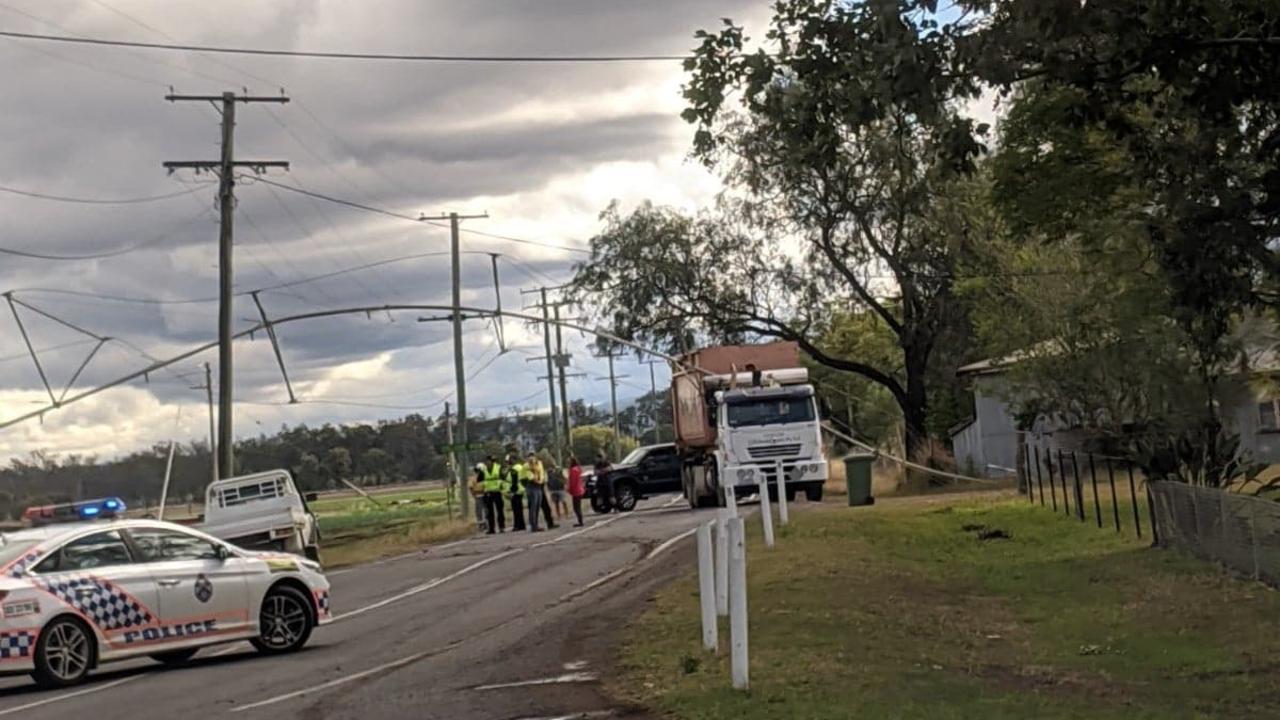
column 225, row 168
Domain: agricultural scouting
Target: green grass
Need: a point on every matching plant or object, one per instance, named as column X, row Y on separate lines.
column 897, row 612
column 356, row 530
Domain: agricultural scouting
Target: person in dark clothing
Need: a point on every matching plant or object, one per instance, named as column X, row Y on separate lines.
column 516, row 492
column 547, row 473
column 604, row 483
column 494, row 483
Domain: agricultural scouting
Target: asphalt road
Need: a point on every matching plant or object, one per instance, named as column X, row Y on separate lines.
column 495, row 627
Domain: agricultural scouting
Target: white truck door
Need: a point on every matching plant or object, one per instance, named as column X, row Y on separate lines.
column 202, row 594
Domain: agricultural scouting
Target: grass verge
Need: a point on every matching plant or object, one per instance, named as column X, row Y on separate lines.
column 355, row 530
column 898, row 611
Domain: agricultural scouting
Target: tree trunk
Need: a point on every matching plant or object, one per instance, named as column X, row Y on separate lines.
column 915, row 412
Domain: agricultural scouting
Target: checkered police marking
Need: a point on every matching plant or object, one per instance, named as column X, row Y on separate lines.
column 106, row 605
column 19, row 566
column 322, row 601
column 203, row 588
column 15, row 645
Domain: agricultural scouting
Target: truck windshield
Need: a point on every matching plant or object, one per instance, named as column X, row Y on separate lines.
column 771, row 412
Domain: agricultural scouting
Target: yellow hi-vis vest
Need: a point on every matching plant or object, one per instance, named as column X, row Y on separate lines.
column 514, row 474
column 493, row 478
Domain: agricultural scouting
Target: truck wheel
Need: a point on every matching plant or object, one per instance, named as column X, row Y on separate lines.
column 791, row 493
column 625, row 495
column 284, row 622
column 64, row 653
column 813, row 492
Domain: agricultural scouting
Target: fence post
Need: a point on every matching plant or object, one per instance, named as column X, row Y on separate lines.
column 1025, row 469
column 738, row 605
column 1062, row 475
column 722, row 563
column 1115, row 506
column 706, row 587
column 766, row 511
column 1053, row 489
column 783, row 513
column 1075, row 481
column 1253, row 539
column 1097, row 506
column 1133, row 497
column 1040, row 478
column 1151, row 512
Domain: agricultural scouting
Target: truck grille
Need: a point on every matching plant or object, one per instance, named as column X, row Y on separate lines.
column 773, row 451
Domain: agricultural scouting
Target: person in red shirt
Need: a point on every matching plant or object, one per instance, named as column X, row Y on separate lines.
column 576, row 487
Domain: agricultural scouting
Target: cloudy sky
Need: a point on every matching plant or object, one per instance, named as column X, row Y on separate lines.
column 542, row 148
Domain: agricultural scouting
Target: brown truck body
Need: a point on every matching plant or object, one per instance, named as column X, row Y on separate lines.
column 690, row 400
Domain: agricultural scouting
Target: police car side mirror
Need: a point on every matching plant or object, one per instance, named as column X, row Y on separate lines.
column 311, row 497
column 221, row 553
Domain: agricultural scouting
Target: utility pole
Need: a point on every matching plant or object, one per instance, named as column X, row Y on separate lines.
column 453, row 479
column 613, row 399
column 653, row 394
column 225, row 168
column 459, row 370
column 562, row 362
column 207, row 387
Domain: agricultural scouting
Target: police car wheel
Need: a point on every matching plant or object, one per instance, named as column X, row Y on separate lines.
column 175, row 657
column 64, row 653
column 285, row 621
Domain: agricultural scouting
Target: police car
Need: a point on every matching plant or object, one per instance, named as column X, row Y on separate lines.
column 82, row 587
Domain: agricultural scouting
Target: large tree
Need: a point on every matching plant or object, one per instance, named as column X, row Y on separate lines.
column 840, row 149
column 1185, row 94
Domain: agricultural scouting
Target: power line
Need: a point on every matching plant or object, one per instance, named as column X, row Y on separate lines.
column 99, row 201
column 499, row 59
column 403, row 216
column 111, row 253
column 266, row 288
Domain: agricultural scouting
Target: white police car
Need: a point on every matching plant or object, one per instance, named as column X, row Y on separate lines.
column 75, row 594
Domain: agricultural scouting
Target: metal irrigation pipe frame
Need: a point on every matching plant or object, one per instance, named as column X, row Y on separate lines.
column 368, row 309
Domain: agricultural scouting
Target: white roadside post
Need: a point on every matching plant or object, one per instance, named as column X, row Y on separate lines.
column 783, row 517
column 706, row 587
column 722, row 562
column 738, row 604
column 766, row 512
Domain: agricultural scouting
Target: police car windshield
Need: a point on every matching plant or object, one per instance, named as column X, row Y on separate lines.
column 14, row 548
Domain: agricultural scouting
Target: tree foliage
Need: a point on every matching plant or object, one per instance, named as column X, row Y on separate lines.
column 839, row 148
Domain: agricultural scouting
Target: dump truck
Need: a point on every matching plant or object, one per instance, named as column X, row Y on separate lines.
column 741, row 412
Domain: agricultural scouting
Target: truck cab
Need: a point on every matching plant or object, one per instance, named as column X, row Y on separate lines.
column 263, row 511
column 766, row 429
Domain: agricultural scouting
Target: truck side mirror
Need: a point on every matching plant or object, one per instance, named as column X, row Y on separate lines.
column 310, row 497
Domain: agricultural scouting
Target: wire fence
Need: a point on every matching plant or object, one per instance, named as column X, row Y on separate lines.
column 1086, row 486
column 1239, row 531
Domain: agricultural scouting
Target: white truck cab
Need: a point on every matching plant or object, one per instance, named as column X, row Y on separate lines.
column 761, row 428
column 263, row 511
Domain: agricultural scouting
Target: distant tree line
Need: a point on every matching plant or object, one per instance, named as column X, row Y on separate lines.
column 410, row 449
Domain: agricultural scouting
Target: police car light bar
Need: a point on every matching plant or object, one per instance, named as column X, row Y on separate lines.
column 101, row 508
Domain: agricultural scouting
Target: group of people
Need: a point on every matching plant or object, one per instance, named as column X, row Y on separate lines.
column 511, row 481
